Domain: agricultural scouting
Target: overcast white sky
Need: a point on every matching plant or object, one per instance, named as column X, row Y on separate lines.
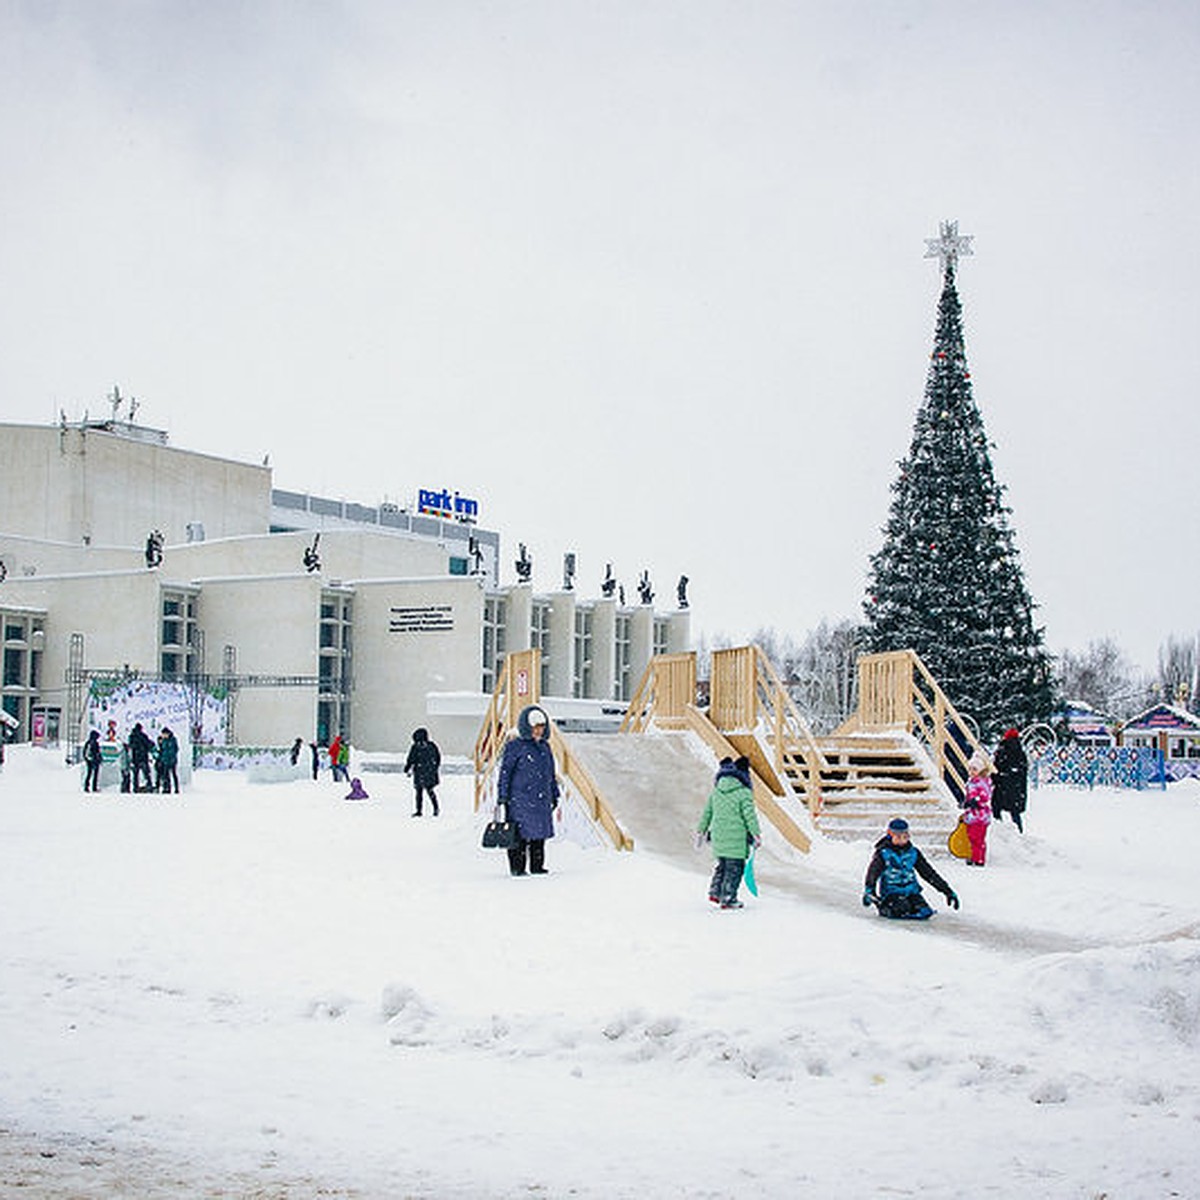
column 645, row 279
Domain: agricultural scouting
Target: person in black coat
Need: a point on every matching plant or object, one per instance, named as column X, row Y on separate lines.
column 140, row 749
column 92, row 757
column 424, row 759
column 168, row 761
column 1010, row 788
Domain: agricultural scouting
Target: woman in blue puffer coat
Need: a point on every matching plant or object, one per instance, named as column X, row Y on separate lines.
column 528, row 790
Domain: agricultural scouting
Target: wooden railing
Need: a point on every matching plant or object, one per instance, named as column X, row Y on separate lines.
column 747, row 695
column 896, row 691
column 667, row 687
column 518, row 685
column 586, row 790
column 764, row 801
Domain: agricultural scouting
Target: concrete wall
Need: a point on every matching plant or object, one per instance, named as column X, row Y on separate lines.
column 562, row 644
column 273, row 622
column 641, row 640
column 118, row 613
column 344, row 554
column 83, row 484
column 604, row 657
column 413, row 637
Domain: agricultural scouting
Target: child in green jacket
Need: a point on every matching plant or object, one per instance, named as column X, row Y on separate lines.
column 731, row 823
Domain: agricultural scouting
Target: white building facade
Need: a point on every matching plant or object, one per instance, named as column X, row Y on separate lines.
column 123, row 558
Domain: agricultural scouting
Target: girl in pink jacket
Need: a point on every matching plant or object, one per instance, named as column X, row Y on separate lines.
column 978, row 808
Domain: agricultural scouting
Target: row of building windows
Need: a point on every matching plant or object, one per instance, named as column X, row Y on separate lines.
column 335, row 663
column 495, row 646
column 21, row 667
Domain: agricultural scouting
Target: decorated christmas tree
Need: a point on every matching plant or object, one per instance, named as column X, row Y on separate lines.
column 948, row 581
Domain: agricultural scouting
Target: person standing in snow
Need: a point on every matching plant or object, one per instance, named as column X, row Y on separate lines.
column 294, row 753
column 92, row 758
column 528, row 791
column 140, row 748
column 126, row 769
column 731, row 822
column 1010, row 789
column 339, row 759
column 424, row 759
column 977, row 808
column 168, row 761
column 891, row 882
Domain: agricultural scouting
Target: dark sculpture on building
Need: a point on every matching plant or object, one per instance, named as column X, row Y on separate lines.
column 154, row 549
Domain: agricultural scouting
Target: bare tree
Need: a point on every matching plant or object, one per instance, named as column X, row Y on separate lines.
column 1178, row 664
column 1102, row 677
column 824, row 676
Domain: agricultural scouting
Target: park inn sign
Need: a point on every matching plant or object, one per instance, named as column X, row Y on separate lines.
column 447, row 504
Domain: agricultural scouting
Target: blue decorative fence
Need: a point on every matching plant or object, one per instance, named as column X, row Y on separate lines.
column 1137, row 767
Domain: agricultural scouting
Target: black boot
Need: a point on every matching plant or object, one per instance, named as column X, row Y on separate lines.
column 516, row 858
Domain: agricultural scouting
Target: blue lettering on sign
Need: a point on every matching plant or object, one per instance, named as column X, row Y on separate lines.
column 443, row 503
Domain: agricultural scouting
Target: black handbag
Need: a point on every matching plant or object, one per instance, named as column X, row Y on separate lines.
column 500, row 835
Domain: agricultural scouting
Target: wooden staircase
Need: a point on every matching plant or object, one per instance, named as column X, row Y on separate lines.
column 903, row 754
column 873, row 777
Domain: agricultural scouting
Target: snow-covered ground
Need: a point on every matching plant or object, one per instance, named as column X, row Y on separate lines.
column 264, row 990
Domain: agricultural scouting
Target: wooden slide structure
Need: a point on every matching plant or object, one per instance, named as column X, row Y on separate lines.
column 903, row 753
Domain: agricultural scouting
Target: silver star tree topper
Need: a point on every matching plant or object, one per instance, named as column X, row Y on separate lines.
column 950, row 246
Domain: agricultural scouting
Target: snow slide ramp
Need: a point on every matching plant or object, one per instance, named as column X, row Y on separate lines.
column 654, row 784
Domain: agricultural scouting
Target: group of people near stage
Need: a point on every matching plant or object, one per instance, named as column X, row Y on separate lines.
column 137, row 754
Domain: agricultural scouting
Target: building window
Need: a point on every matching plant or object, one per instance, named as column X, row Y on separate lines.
column 539, row 639
column 335, row 662
column 20, row 665
column 623, row 656
column 178, row 642
column 495, row 640
column 14, row 667
column 661, row 627
column 582, row 685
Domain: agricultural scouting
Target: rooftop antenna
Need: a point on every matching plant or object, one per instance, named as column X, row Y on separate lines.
column 134, row 405
column 115, row 399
